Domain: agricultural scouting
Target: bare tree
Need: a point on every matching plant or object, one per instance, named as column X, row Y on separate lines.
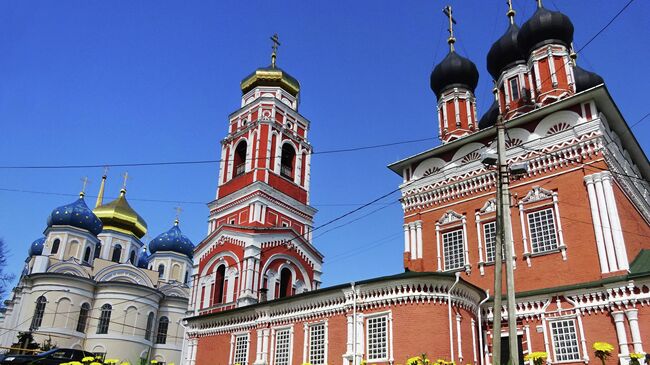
column 5, row 277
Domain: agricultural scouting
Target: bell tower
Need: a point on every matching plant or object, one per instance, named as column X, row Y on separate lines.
column 260, row 224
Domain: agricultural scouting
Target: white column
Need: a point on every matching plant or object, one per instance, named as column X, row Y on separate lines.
column 305, row 341
column 258, row 352
column 559, row 226
column 438, row 246
column 407, row 244
column 583, row 339
column 249, row 275
column 633, row 320
column 529, row 344
column 477, row 218
column 619, row 321
column 414, row 242
column 475, row 358
column 418, row 236
column 607, row 232
column 598, row 229
column 465, row 245
column 459, row 341
column 523, row 233
column 615, row 222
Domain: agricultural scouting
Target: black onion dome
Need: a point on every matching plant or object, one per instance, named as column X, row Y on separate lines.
column 172, row 240
column 490, row 117
column 76, row 214
column 585, row 79
column 505, row 52
column 454, row 71
column 545, row 27
column 36, row 248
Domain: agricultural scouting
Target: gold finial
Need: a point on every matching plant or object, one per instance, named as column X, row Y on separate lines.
column 573, row 56
column 125, row 175
column 511, row 12
column 100, row 195
column 276, row 43
column 451, row 40
column 178, row 210
column 83, row 187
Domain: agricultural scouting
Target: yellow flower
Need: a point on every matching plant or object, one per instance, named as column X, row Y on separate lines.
column 95, row 363
column 636, row 355
column 75, row 363
column 125, row 363
column 88, row 359
column 536, row 356
column 154, row 361
column 111, row 361
column 603, row 347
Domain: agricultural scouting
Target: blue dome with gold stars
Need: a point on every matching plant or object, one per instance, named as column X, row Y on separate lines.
column 76, row 214
column 36, row 248
column 143, row 261
column 173, row 240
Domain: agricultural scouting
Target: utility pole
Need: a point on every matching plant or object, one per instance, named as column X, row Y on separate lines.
column 504, row 230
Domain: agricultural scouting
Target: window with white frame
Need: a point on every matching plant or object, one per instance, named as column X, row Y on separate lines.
column 565, row 340
column 453, row 249
column 489, row 236
column 514, row 88
column 541, row 224
column 241, row 350
column 282, row 347
column 317, row 344
column 377, row 335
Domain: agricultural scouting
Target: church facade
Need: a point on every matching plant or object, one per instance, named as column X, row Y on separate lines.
column 89, row 284
column 579, row 211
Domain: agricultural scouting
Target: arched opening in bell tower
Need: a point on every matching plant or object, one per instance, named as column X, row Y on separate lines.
column 219, row 284
column 287, row 161
column 285, row 283
column 239, row 160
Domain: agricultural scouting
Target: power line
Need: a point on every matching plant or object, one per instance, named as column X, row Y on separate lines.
column 202, row 162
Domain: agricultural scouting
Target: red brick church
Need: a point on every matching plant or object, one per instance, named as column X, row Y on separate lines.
column 580, row 221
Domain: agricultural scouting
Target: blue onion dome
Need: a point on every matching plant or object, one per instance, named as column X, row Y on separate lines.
column 454, row 71
column 545, row 27
column 490, row 117
column 76, row 214
column 505, row 52
column 172, row 240
column 36, row 248
column 585, row 79
column 143, row 261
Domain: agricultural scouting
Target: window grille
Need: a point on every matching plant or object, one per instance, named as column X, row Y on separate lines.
column 163, row 326
column 377, row 328
column 282, row 347
column 453, row 249
column 39, row 312
column 149, row 328
column 317, row 344
column 565, row 340
column 104, row 319
column 83, row 317
column 241, row 350
column 543, row 237
column 490, row 238
column 514, row 88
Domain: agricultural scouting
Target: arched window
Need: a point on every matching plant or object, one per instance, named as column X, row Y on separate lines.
column 83, row 317
column 55, row 246
column 161, row 270
column 39, row 311
column 98, row 249
column 87, row 255
column 239, row 160
column 285, row 283
column 117, row 253
column 132, row 257
column 147, row 331
column 104, row 319
column 187, row 277
column 219, row 285
column 287, row 161
column 163, row 325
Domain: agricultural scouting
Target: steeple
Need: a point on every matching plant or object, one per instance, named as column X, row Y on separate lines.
column 100, row 195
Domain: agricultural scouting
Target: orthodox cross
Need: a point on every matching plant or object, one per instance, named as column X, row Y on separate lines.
column 178, row 210
column 511, row 12
column 106, row 168
column 451, row 40
column 274, row 47
column 126, row 177
column 83, row 187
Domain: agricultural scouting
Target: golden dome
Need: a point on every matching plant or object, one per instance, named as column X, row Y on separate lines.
column 271, row 76
column 119, row 216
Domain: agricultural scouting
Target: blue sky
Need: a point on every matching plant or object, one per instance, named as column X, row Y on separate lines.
column 96, row 82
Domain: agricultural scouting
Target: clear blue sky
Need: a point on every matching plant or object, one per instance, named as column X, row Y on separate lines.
column 87, row 82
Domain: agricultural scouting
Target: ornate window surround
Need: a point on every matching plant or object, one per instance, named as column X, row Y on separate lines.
column 451, row 221
column 306, row 353
column 233, row 346
column 274, row 331
column 389, row 335
column 537, row 199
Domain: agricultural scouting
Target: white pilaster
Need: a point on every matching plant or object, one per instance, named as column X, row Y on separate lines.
column 598, row 229
column 615, row 222
column 418, row 236
column 633, row 319
column 619, row 321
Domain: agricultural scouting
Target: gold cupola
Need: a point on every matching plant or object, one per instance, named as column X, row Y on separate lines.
column 271, row 76
column 119, row 216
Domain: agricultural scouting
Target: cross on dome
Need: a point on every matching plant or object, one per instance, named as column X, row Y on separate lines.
column 451, row 40
column 276, row 43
